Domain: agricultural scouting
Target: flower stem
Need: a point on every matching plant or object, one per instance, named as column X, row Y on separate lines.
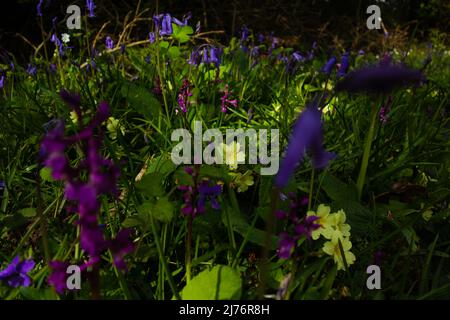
column 188, row 248
column 366, row 153
column 311, row 185
column 163, row 260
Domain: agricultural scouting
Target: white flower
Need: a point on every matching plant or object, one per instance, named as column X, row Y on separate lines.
column 231, row 154
column 65, row 37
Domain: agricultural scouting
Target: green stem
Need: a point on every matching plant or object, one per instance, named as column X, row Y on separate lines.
column 311, row 185
column 366, row 153
column 188, row 248
column 163, row 260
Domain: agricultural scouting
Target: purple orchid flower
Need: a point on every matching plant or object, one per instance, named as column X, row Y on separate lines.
column 16, row 273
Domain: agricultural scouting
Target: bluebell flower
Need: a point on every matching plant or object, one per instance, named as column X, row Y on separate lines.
column 166, row 25
column 109, row 43
column 39, row 8
column 306, row 135
column 194, row 58
column 58, row 44
column 90, row 6
column 328, row 67
column 2, row 81
column 244, row 33
column 380, row 79
column 147, row 59
column 31, row 70
column 16, row 273
column 198, row 27
column 343, row 68
column 297, row 56
column 151, row 37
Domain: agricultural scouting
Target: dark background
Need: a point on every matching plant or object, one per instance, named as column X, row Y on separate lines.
column 301, row 21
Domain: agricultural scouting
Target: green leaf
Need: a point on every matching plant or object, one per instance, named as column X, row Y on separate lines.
column 162, row 165
column 28, row 212
column 174, row 53
column 219, row 283
column 141, row 100
column 181, row 33
column 151, row 185
column 338, row 190
column 161, row 210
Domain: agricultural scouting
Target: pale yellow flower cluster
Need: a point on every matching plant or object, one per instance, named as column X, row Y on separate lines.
column 334, row 229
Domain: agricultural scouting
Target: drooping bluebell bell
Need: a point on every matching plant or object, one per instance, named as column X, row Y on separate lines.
column 297, row 56
column 58, row 44
column 244, row 33
column 90, row 6
column 2, row 81
column 31, row 70
column 109, row 43
column 381, row 78
column 194, row 58
column 328, row 67
column 184, row 21
column 16, row 273
column 39, row 8
column 306, row 135
column 345, row 62
column 152, row 37
column 166, row 25
column 198, row 27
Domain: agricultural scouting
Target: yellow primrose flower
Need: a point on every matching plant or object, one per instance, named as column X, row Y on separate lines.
column 74, row 117
column 242, row 181
column 323, row 213
column 332, row 248
column 112, row 125
column 338, row 228
column 232, row 155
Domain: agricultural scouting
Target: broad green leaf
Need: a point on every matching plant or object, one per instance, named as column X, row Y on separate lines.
column 174, row 53
column 141, row 100
column 338, row 190
column 151, row 185
column 219, row 283
column 181, row 33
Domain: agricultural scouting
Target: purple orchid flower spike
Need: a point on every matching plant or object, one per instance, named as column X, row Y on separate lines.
column 285, row 245
column 306, row 135
column 16, row 273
